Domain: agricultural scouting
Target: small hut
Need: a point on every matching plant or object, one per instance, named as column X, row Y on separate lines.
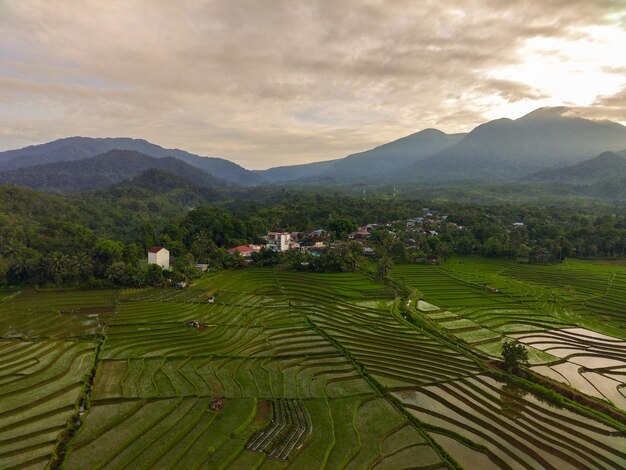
column 217, row 404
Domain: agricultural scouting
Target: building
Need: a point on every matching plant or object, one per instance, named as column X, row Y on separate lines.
column 244, row 250
column 159, row 255
column 278, row 241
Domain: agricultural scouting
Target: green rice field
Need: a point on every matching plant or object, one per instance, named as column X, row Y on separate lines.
column 305, row 371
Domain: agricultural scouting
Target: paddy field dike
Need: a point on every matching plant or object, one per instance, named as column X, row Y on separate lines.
column 299, row 370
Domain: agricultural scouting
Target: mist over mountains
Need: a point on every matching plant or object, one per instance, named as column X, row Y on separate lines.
column 546, row 146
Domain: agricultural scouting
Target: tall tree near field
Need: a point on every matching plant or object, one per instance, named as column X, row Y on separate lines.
column 515, row 355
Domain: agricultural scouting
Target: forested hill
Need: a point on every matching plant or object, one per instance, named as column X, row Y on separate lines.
column 79, row 148
column 152, row 198
column 606, row 166
column 101, row 171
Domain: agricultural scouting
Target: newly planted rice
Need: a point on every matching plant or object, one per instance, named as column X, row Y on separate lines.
column 40, row 382
column 55, row 313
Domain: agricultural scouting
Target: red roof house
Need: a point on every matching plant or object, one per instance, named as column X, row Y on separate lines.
column 243, row 250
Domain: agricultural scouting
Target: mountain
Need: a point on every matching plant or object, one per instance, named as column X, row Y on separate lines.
column 295, row 172
column 375, row 163
column 504, row 149
column 100, row 171
column 79, row 148
column 607, row 165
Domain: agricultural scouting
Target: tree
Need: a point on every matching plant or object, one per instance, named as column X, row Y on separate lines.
column 83, row 265
column 184, row 268
column 4, row 270
column 384, row 265
column 116, row 274
column 152, row 275
column 107, row 252
column 57, row 264
column 340, row 227
column 515, row 355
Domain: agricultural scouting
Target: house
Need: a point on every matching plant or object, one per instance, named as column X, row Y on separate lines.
column 210, row 299
column 278, row 241
column 244, row 250
column 518, row 224
column 362, row 234
column 159, row 255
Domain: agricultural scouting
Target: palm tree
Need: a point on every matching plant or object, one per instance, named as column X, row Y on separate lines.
column 58, row 264
column 384, row 265
column 83, row 264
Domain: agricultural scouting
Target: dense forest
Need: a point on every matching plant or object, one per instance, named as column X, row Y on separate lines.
column 100, row 238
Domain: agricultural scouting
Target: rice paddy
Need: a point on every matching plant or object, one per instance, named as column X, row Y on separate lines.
column 263, row 368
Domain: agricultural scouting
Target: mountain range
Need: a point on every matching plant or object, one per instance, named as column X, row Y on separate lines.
column 500, row 150
column 546, row 146
column 382, row 161
column 79, row 148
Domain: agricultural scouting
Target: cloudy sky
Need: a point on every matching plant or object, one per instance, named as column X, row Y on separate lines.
column 274, row 82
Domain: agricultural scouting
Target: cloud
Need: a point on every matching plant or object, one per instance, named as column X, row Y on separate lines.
column 273, row 82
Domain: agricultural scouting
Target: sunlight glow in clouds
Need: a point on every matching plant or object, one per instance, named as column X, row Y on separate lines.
column 568, row 71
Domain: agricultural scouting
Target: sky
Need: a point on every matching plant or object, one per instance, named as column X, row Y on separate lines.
column 275, row 82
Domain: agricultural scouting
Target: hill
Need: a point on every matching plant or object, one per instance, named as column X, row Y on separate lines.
column 295, row 172
column 373, row 164
column 503, row 149
column 607, row 165
column 80, row 148
column 100, row 171
column 122, row 211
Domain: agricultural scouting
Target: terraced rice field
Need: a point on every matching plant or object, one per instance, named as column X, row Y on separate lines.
column 482, row 303
column 255, row 349
column 40, row 382
column 593, row 363
column 55, row 313
column 513, row 429
column 296, row 370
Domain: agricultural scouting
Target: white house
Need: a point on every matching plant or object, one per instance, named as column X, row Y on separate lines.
column 278, row 241
column 159, row 255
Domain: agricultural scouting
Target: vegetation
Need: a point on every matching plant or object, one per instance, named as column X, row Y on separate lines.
column 380, row 357
column 515, row 355
column 364, row 374
column 100, row 238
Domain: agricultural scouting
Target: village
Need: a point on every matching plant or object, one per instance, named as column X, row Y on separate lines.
column 316, row 241
column 427, row 238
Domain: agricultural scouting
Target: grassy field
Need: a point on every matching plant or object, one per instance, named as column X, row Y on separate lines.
column 311, row 370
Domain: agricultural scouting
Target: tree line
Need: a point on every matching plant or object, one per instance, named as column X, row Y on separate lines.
column 102, row 238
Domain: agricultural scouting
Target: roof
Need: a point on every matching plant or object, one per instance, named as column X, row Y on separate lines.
column 241, row 249
column 155, row 249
